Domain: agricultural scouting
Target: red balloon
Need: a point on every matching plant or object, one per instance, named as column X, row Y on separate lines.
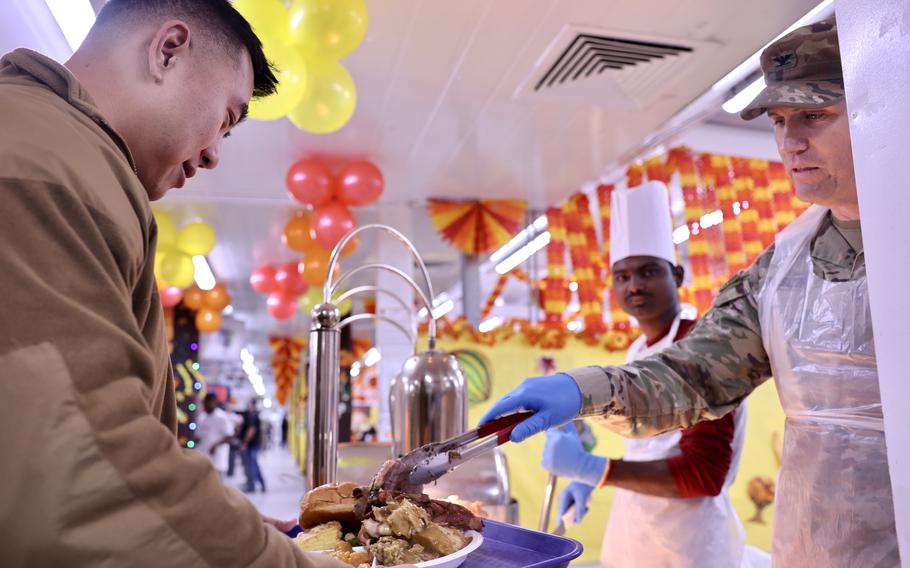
column 171, row 296
column 281, row 306
column 360, row 183
column 289, row 280
column 263, row 279
column 310, row 182
column 330, row 223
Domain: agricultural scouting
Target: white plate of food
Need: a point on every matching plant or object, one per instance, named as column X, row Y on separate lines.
column 356, row 526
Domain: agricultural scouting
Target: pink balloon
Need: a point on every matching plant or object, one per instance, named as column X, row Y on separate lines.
column 310, row 182
column 263, row 279
column 360, row 183
column 281, row 306
column 330, row 223
column 171, row 296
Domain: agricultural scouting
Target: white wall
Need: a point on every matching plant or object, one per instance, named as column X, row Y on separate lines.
column 729, row 140
column 874, row 43
column 29, row 23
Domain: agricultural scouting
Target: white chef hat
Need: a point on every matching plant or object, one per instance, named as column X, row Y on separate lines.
column 640, row 223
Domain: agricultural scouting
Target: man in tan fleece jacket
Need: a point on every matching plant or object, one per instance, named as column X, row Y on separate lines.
column 91, row 473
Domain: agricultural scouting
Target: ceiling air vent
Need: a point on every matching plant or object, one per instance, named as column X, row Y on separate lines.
column 608, row 68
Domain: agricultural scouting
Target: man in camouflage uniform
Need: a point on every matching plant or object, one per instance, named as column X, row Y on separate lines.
column 800, row 313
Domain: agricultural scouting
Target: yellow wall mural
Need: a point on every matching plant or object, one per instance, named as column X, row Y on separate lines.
column 512, row 360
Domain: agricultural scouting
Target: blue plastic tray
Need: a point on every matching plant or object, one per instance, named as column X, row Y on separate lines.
column 508, row 546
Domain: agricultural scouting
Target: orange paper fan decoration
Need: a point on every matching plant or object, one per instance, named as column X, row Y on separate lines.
column 477, row 227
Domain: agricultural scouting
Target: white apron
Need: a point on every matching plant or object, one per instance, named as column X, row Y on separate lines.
column 833, row 503
column 656, row 532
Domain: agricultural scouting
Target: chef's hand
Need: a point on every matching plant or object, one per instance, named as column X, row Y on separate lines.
column 564, row 455
column 283, row 526
column 578, row 494
column 554, row 399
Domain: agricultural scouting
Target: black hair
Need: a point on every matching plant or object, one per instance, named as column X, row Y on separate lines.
column 211, row 396
column 218, row 17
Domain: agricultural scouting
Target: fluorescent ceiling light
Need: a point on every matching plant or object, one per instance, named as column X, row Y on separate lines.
column 267, row 403
column 518, row 240
column 203, row 274
column 75, row 18
column 442, row 310
column 524, row 253
column 438, row 302
column 372, row 357
column 744, row 97
column 489, row 324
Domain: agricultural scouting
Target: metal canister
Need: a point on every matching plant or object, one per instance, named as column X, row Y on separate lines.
column 428, row 401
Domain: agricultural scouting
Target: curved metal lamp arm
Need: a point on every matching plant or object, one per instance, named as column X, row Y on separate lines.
column 362, row 317
column 400, row 273
column 364, row 289
column 336, row 254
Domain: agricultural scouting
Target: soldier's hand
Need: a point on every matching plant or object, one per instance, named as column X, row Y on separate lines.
column 578, row 494
column 564, row 456
column 554, row 399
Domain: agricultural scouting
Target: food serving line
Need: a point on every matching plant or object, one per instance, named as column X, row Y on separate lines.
column 428, row 401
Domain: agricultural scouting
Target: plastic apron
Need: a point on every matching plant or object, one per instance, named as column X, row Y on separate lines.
column 645, row 530
column 833, row 504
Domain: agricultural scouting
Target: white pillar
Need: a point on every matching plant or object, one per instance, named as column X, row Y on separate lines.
column 470, row 289
column 392, row 344
column 874, row 45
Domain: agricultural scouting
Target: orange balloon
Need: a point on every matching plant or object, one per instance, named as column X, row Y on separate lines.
column 194, row 298
column 313, row 268
column 351, row 247
column 208, row 320
column 217, row 298
column 297, row 234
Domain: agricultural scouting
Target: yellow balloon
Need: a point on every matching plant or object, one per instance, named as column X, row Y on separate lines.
column 329, row 100
column 291, row 82
column 196, row 239
column 310, row 300
column 268, row 18
column 167, row 230
column 176, row 268
column 345, row 306
column 328, row 29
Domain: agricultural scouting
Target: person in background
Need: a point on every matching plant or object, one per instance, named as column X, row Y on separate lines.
column 250, row 443
column 667, row 483
column 800, row 313
column 143, row 104
column 214, row 432
column 234, row 444
column 284, row 430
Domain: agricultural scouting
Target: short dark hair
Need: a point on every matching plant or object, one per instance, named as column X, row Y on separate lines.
column 211, row 396
column 218, row 17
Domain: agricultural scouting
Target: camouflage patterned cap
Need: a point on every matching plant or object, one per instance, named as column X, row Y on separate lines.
column 802, row 70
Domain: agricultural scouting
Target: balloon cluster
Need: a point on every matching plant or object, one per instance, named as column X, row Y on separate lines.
column 291, row 285
column 305, row 43
column 312, row 184
column 176, row 249
column 316, row 233
column 208, row 305
column 175, row 271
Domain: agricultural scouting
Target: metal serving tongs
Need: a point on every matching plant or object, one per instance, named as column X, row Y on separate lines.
column 432, row 461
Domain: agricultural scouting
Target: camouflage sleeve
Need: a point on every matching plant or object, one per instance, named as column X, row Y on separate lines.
column 701, row 377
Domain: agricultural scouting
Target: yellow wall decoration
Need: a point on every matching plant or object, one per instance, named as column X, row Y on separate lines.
column 512, row 360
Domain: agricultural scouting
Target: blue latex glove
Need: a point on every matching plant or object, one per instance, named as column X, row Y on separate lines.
column 564, row 455
column 578, row 494
column 554, row 399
